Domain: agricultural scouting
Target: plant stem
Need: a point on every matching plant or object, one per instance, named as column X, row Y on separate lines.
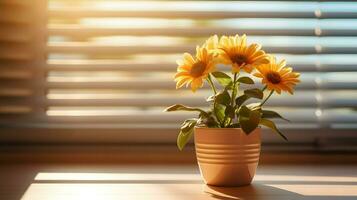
column 265, row 87
column 234, row 89
column 234, row 93
column 224, row 121
column 271, row 92
column 209, row 80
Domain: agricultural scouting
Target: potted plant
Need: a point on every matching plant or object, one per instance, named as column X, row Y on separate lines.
column 227, row 135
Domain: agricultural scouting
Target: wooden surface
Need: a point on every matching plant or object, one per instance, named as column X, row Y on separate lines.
column 121, row 182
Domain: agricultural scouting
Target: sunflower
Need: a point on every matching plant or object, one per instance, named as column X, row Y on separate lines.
column 195, row 70
column 211, row 43
column 277, row 76
column 235, row 51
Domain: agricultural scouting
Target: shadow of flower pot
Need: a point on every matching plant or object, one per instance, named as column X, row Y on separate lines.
column 251, row 192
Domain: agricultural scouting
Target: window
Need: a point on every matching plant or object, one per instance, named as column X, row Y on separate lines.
column 101, row 71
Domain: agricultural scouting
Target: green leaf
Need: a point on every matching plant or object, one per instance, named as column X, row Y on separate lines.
column 186, row 133
column 254, row 106
column 229, row 86
column 244, row 112
column 210, row 122
column 220, row 112
column 254, row 93
column 180, row 107
column 210, row 98
column 241, row 99
column 222, row 78
column 235, row 125
column 230, row 112
column 223, row 98
column 187, row 124
column 272, row 114
column 245, row 80
column 271, row 124
column 248, row 119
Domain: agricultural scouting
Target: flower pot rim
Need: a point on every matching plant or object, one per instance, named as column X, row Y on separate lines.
column 198, row 127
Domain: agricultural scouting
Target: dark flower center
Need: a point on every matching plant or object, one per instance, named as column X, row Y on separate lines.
column 239, row 59
column 197, row 69
column 274, row 77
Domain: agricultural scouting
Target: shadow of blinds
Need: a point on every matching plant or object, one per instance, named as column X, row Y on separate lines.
column 22, row 61
column 110, row 64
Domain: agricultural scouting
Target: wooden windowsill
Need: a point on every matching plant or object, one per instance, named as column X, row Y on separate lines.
column 78, row 181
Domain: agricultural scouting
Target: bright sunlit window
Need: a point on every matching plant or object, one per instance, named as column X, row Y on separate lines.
column 94, row 63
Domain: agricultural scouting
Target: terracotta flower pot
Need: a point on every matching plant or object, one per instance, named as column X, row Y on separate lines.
column 227, row 156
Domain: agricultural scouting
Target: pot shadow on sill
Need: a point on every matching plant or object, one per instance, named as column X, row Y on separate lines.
column 262, row 191
column 251, row 192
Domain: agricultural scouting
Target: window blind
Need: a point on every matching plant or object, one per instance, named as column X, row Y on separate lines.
column 101, row 71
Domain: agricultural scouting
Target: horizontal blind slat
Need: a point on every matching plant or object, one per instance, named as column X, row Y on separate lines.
column 113, row 49
column 160, row 84
column 322, row 63
column 187, row 9
column 80, row 13
column 189, row 31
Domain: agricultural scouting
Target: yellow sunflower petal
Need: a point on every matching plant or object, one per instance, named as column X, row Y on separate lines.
column 282, row 64
column 259, row 75
column 181, row 74
column 211, row 43
column 196, row 83
column 248, row 68
column 182, row 82
column 194, row 70
column 183, row 68
column 276, row 76
column 235, row 51
column 179, row 62
column 243, row 41
column 188, row 59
